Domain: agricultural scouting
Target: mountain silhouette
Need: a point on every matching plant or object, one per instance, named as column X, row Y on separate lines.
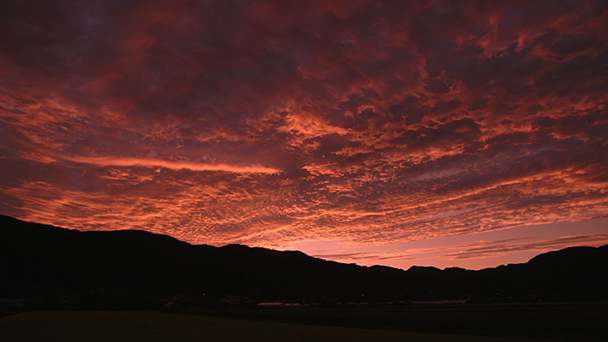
column 45, row 262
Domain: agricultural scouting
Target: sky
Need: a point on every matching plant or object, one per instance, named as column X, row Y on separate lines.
column 440, row 133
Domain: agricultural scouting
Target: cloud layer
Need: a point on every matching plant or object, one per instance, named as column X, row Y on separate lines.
column 272, row 122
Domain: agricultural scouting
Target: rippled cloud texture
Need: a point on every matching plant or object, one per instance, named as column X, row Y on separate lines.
column 270, row 123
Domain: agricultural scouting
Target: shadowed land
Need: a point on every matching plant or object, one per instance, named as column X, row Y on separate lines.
column 46, row 268
column 563, row 321
column 64, row 269
column 152, row 327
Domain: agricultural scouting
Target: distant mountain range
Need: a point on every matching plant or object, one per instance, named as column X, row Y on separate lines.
column 46, row 263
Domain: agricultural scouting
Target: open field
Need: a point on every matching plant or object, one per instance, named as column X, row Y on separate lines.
column 564, row 321
column 151, row 327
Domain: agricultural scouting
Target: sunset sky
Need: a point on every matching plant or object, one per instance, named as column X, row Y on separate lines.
column 443, row 133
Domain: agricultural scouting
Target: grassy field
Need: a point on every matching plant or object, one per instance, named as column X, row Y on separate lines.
column 564, row 321
column 152, row 327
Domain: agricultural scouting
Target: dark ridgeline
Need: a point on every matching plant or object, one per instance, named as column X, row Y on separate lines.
column 50, row 264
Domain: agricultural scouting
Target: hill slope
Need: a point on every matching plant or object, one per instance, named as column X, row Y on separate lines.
column 39, row 261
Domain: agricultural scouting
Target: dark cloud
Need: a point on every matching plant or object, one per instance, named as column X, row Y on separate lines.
column 411, row 109
column 479, row 104
column 437, row 87
column 446, row 106
column 568, row 44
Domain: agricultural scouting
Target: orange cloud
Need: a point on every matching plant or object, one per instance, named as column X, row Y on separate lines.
column 173, row 165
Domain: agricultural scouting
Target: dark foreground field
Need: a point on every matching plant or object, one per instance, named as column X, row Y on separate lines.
column 562, row 321
column 508, row 322
column 151, row 327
